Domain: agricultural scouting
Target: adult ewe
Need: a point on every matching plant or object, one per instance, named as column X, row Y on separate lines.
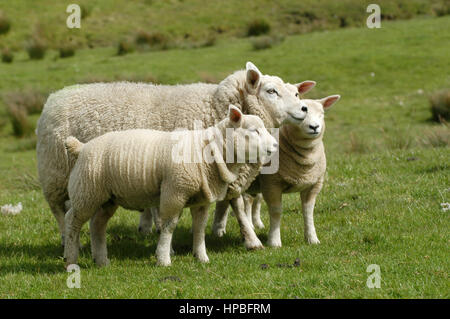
column 137, row 169
column 90, row 110
column 302, row 169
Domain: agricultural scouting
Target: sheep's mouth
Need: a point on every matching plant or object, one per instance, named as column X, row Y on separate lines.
column 300, row 119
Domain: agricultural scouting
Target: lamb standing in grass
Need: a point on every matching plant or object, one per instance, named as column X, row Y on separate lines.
column 137, row 169
column 91, row 110
column 302, row 169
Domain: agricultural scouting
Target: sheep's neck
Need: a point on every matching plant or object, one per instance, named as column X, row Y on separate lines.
column 304, row 151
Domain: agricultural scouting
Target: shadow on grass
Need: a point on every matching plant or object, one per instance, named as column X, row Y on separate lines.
column 46, row 258
column 124, row 243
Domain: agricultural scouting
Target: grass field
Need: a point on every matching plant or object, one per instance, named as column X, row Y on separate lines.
column 105, row 22
column 388, row 173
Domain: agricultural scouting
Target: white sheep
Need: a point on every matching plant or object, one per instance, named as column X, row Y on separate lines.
column 302, row 165
column 90, row 110
column 142, row 168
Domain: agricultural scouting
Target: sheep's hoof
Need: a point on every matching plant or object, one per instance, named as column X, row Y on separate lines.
column 259, row 224
column 219, row 232
column 163, row 263
column 145, row 230
column 274, row 243
column 204, row 259
column 102, row 262
column 254, row 246
column 313, row 240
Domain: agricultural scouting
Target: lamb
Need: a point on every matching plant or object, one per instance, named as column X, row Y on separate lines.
column 91, row 110
column 141, row 168
column 302, row 169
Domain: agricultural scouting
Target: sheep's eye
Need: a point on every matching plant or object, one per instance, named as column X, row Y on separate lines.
column 296, row 94
column 272, row 91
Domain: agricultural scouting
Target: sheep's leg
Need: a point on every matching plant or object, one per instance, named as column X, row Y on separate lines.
column 248, row 203
column 308, row 202
column 98, row 233
column 199, row 221
column 220, row 218
column 146, row 222
column 156, row 218
column 273, row 200
column 58, row 210
column 74, row 220
column 256, row 212
column 251, row 241
column 169, row 211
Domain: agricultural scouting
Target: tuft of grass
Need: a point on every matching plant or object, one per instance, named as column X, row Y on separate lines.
column 356, row 144
column 66, row 51
column 36, row 47
column 258, row 27
column 125, row 47
column 439, row 137
column 441, row 9
column 265, row 42
column 152, row 40
column 19, row 119
column 7, row 56
column 440, row 105
column 30, row 100
column 396, row 139
column 5, row 24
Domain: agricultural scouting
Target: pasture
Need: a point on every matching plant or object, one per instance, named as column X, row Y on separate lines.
column 388, row 173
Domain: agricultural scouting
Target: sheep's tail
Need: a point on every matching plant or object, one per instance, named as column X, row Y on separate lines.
column 73, row 146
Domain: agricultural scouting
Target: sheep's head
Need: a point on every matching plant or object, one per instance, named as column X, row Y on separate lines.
column 251, row 141
column 313, row 125
column 280, row 100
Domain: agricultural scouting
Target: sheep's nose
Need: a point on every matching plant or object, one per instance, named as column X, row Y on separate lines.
column 304, row 109
column 314, row 127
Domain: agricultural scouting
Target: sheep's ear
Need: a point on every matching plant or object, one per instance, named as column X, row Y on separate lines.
column 328, row 101
column 305, row 86
column 234, row 115
column 253, row 75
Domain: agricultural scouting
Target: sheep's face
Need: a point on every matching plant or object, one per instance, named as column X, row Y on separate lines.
column 280, row 100
column 252, row 142
column 313, row 125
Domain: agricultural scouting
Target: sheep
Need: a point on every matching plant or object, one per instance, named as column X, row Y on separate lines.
column 302, row 165
column 140, row 168
column 90, row 110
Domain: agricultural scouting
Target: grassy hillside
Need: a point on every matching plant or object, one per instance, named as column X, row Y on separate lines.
column 105, row 22
column 388, row 174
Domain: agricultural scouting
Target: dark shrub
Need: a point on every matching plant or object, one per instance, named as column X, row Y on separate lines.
column 258, row 27
column 125, row 47
column 155, row 40
column 265, row 42
column 66, row 51
column 36, row 48
column 5, row 24
column 19, row 120
column 440, row 105
column 32, row 101
column 7, row 56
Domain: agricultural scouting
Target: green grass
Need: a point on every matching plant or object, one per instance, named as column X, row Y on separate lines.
column 194, row 20
column 380, row 203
